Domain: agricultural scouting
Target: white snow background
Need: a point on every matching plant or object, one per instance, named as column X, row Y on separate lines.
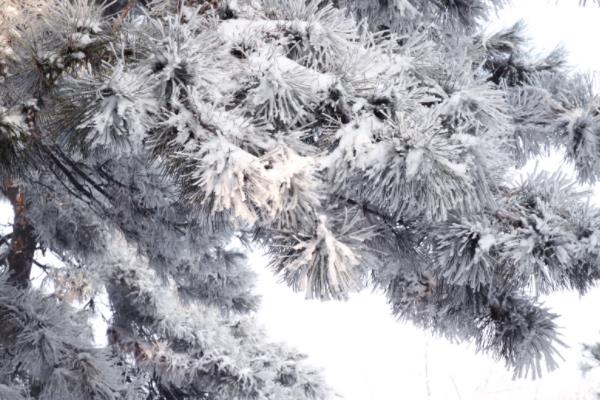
column 368, row 355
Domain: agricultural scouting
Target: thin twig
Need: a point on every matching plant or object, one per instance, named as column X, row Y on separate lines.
column 123, row 14
column 43, row 267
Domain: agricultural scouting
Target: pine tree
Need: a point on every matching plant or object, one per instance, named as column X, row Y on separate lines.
column 361, row 143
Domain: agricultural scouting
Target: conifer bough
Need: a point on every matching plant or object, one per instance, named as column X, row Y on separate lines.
column 362, row 143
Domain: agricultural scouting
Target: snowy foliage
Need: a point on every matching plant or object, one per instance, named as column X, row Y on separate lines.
column 152, row 139
column 317, row 261
column 117, row 110
column 48, row 340
column 14, row 136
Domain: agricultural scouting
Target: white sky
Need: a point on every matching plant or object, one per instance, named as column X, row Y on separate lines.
column 367, row 355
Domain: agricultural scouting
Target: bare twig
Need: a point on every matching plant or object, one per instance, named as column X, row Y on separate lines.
column 123, row 14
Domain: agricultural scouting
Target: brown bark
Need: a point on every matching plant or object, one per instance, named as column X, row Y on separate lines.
column 23, row 242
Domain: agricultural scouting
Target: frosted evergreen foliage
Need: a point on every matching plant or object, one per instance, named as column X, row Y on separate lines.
column 360, row 143
column 50, row 343
column 118, row 110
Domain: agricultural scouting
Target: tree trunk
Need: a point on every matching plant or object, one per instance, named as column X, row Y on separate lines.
column 23, row 242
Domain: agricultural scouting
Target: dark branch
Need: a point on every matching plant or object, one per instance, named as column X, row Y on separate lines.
column 23, row 241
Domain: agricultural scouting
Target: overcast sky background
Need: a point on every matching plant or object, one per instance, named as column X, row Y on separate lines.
column 368, row 355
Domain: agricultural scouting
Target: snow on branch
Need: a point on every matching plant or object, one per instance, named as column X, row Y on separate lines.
column 283, row 95
column 112, row 113
column 579, row 128
column 523, row 334
column 49, row 341
column 200, row 349
column 352, row 151
column 325, row 264
column 297, row 186
column 15, row 136
column 224, row 178
column 531, row 110
column 548, row 244
column 9, row 393
column 465, row 252
column 422, row 171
